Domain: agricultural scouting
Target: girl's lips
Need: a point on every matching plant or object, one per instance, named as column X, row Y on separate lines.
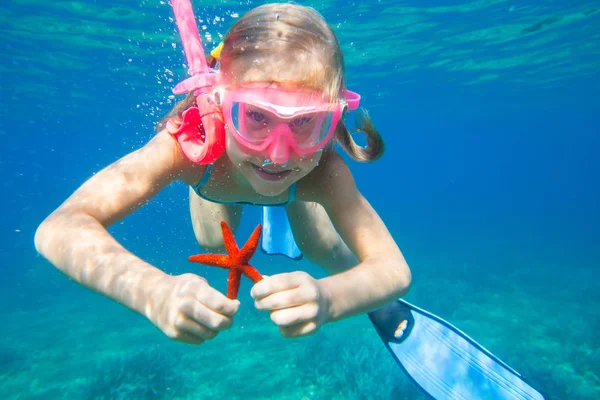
column 271, row 175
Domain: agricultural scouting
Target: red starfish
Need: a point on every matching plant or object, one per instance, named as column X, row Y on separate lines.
column 236, row 261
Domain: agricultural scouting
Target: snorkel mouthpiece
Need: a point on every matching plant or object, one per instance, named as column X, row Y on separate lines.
column 200, row 134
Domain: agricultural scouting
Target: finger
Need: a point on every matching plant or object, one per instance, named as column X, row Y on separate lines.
column 295, row 315
column 276, row 283
column 285, row 299
column 303, row 329
column 187, row 338
column 204, row 316
column 193, row 280
column 191, row 329
column 218, row 302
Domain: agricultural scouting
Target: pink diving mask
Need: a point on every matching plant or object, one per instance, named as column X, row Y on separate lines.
column 282, row 123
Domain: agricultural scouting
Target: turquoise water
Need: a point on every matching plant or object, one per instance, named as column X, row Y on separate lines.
column 490, row 114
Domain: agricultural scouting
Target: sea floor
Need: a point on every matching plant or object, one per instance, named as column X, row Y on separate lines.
column 61, row 341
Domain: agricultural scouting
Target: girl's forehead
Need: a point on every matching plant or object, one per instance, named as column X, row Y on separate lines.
column 278, row 86
column 280, row 71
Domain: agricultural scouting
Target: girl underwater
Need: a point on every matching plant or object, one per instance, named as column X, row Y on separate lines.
column 281, row 93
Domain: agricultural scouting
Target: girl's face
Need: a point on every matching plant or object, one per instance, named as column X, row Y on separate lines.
column 266, row 177
column 273, row 170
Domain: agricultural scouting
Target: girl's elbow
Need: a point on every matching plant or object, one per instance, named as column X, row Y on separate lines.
column 404, row 280
column 41, row 236
column 46, row 233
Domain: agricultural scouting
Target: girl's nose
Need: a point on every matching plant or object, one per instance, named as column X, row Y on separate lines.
column 279, row 151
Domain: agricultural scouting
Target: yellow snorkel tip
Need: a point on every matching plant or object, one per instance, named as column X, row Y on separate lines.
column 216, row 52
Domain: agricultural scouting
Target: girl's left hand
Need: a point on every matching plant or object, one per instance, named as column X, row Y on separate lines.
column 296, row 301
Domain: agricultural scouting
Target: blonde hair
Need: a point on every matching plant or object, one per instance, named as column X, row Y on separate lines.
column 289, row 44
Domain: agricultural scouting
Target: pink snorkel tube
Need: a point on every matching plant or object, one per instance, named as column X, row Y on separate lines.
column 201, row 131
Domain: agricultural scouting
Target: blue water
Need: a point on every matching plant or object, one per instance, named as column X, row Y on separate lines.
column 490, row 114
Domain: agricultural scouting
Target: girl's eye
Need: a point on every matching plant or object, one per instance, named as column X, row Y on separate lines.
column 300, row 122
column 256, row 116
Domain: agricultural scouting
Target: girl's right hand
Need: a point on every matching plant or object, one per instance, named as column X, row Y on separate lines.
column 188, row 310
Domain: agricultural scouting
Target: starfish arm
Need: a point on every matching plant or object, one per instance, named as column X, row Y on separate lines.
column 229, row 240
column 215, row 260
column 233, row 283
column 251, row 273
column 249, row 248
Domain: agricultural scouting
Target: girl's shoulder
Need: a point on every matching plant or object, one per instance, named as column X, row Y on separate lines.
column 180, row 166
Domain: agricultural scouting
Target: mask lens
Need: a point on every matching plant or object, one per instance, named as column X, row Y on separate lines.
column 252, row 123
column 256, row 124
column 311, row 129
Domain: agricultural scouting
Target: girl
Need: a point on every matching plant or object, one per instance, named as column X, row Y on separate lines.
column 281, row 91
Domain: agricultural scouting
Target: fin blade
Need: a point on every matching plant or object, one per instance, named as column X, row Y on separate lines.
column 444, row 361
column 277, row 237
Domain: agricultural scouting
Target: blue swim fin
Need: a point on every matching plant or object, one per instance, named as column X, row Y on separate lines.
column 443, row 361
column 277, row 237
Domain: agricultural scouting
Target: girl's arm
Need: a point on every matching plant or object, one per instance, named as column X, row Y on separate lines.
column 382, row 273
column 74, row 236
